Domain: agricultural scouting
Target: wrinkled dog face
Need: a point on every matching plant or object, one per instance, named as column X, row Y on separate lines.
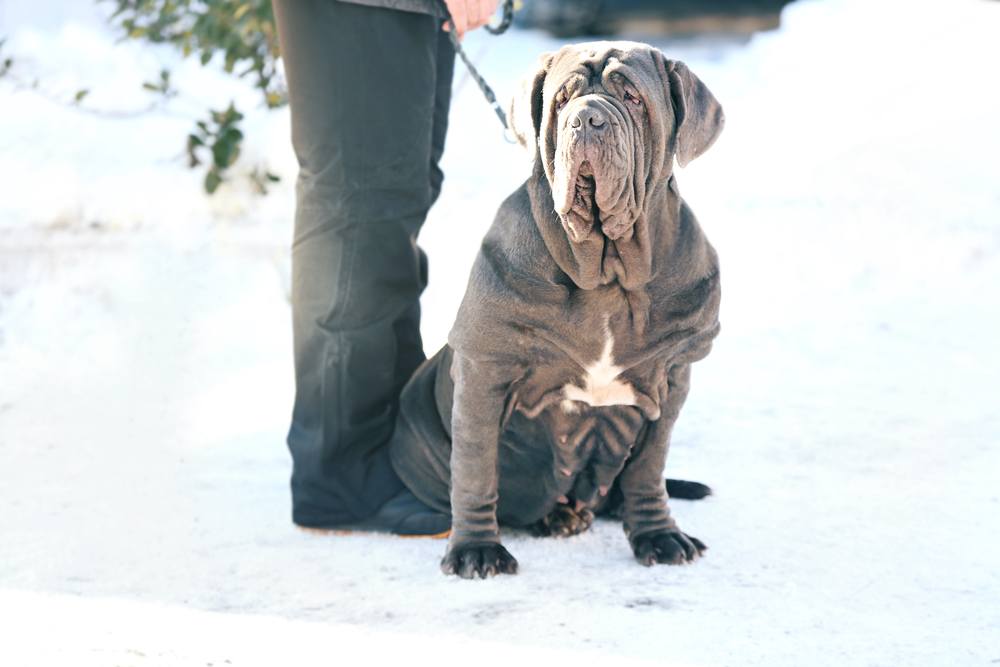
column 607, row 120
column 599, row 129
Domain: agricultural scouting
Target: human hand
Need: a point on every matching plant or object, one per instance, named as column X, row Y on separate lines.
column 470, row 14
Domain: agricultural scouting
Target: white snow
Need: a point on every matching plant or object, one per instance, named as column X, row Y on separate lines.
column 848, row 417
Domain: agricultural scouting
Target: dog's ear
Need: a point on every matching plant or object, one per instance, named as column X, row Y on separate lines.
column 698, row 117
column 524, row 115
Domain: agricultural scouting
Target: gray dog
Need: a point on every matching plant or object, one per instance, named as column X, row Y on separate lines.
column 592, row 294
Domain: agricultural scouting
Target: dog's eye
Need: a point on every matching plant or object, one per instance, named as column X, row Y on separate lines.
column 561, row 100
column 632, row 99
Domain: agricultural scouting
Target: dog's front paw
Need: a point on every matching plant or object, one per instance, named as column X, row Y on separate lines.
column 667, row 546
column 483, row 559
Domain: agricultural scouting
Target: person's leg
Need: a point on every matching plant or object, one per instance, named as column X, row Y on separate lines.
column 410, row 344
column 442, row 103
column 362, row 86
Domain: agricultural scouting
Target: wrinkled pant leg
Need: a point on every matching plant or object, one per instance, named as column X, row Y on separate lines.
column 363, row 85
column 442, row 103
column 410, row 344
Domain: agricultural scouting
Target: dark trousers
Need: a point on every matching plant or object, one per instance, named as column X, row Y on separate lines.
column 369, row 90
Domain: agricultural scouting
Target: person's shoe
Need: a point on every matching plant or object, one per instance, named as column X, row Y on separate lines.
column 406, row 515
column 402, row 515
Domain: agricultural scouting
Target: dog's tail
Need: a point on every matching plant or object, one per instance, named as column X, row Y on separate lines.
column 685, row 490
column 681, row 489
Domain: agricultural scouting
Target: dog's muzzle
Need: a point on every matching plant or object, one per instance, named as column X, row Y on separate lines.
column 591, row 168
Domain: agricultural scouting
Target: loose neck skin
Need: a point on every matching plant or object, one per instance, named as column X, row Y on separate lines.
column 597, row 260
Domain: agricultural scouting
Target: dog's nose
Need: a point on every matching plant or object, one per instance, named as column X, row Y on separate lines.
column 589, row 118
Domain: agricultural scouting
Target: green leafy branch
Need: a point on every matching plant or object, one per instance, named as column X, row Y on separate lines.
column 243, row 35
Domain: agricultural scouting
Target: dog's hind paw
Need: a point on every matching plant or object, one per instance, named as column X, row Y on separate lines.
column 564, row 521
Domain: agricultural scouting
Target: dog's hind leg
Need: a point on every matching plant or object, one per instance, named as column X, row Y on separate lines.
column 420, row 445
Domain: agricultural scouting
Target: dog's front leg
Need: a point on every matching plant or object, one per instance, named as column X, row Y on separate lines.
column 652, row 532
column 474, row 549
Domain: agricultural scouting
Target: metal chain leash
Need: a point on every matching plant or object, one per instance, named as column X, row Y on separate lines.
column 505, row 21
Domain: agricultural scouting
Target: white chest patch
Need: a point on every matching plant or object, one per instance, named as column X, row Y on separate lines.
column 601, row 385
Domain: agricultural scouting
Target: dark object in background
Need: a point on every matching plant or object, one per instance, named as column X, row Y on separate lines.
column 569, row 18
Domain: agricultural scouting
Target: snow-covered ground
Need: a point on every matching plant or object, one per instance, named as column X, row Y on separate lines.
column 848, row 417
